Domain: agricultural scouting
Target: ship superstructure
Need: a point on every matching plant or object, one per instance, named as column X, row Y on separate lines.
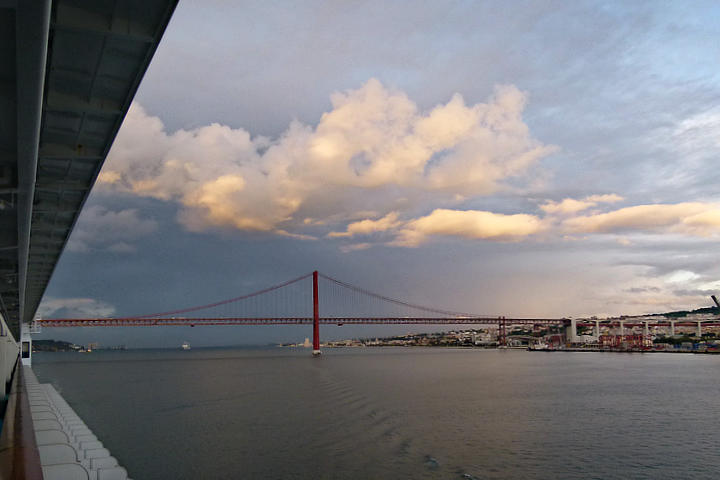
column 69, row 70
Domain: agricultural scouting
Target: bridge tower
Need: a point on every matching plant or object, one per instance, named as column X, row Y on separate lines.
column 502, row 332
column 316, row 316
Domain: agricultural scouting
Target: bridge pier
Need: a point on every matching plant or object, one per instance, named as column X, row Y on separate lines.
column 672, row 328
column 502, row 333
column 571, row 331
column 699, row 329
column 316, row 316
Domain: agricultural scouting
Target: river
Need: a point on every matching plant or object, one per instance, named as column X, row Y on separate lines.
column 392, row 413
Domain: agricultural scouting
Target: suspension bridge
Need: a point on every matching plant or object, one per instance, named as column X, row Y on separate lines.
column 319, row 299
column 314, row 299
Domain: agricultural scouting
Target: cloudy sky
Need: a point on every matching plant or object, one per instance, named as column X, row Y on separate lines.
column 541, row 158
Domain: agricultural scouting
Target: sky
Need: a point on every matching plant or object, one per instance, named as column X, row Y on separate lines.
column 539, row 158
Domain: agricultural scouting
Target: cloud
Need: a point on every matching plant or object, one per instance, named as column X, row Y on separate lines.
column 642, row 289
column 694, row 219
column 353, row 247
column 682, row 276
column 604, row 198
column 103, row 229
column 624, row 241
column 366, row 227
column 473, row 224
column 374, row 150
column 698, row 133
column 570, row 205
column 639, row 289
column 74, row 308
column 688, row 219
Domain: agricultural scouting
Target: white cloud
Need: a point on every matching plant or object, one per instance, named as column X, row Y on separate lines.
column 471, row 224
column 103, row 229
column 567, row 205
column 367, row 226
column 682, row 277
column 604, row 198
column 694, row 219
column 570, row 205
column 374, row 150
column 638, row 289
column 688, row 219
column 700, row 132
column 74, row 308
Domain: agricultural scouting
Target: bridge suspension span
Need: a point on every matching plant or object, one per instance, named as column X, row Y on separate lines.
column 314, row 299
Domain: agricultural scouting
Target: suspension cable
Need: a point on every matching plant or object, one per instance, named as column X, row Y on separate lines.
column 223, row 302
column 398, row 302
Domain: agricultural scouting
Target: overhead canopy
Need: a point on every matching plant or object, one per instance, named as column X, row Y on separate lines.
column 68, row 72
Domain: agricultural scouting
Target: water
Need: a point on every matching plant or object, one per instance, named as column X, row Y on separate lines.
column 396, row 413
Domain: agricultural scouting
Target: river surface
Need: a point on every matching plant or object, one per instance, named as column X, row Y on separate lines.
column 396, row 413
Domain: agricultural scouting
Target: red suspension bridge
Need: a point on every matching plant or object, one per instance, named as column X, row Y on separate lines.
column 334, row 302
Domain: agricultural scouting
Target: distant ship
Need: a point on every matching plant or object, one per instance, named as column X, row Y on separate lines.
column 185, row 346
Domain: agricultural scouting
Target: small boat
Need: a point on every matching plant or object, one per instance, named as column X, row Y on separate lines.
column 185, row 346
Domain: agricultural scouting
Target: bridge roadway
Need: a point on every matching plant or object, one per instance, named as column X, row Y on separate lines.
column 177, row 321
column 149, row 322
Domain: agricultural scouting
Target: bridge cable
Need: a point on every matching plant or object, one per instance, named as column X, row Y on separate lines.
column 400, row 302
column 224, row 302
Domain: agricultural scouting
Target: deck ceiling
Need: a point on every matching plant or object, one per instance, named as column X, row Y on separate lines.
column 97, row 53
column 8, row 159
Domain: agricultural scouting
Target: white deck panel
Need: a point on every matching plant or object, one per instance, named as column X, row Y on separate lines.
column 68, row 448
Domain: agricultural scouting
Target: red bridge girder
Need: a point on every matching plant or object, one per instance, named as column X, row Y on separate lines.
column 158, row 322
